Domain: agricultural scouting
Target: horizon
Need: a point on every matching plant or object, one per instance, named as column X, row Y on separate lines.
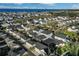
column 39, row 5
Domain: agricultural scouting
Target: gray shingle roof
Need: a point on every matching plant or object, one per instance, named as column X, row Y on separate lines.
column 48, row 41
column 38, row 45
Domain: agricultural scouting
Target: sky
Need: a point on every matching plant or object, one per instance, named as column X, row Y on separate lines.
column 41, row 5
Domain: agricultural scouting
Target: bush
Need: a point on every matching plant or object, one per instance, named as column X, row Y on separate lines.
column 72, row 49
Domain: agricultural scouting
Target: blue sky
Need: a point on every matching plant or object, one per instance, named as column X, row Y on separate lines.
column 41, row 5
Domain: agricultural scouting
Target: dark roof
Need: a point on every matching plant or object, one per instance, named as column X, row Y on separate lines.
column 48, row 41
column 59, row 41
column 43, row 31
column 41, row 37
column 46, row 32
column 37, row 29
column 31, row 42
column 38, row 45
column 62, row 35
column 41, row 46
column 18, row 26
column 33, row 34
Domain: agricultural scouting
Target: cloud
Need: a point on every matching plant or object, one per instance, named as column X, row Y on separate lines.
column 75, row 6
column 49, row 4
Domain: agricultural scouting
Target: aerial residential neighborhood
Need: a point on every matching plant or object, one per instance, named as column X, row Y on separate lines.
column 41, row 33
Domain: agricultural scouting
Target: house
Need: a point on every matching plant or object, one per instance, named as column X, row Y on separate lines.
column 61, row 36
column 43, row 48
column 73, row 29
column 46, row 37
column 3, row 46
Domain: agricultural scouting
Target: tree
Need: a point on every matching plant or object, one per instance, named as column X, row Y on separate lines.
column 50, row 25
column 72, row 35
column 71, row 49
